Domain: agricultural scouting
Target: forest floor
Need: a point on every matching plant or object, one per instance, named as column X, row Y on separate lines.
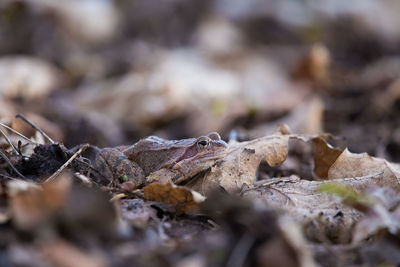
column 274, row 133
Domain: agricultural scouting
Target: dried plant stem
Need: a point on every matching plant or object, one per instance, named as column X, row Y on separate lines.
column 12, row 166
column 34, row 126
column 67, row 163
column 9, row 177
column 17, row 133
column 9, row 141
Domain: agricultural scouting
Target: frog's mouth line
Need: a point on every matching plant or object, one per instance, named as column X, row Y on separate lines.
column 207, row 155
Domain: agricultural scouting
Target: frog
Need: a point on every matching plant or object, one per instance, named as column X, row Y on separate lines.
column 154, row 159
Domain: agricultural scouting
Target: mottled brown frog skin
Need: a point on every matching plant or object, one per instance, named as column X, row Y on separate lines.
column 176, row 160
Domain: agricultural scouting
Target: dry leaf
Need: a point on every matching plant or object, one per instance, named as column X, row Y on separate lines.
column 360, row 165
column 184, row 199
column 332, row 163
column 318, row 211
column 378, row 218
column 33, row 205
column 323, row 216
column 324, row 156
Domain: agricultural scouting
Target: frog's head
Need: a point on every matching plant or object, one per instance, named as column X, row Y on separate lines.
column 197, row 156
column 204, row 148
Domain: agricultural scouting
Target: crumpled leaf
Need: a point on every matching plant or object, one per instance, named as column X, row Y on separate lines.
column 324, row 156
column 349, row 195
column 184, row 199
column 32, row 205
column 81, row 209
column 332, row 163
column 323, row 216
column 380, row 216
column 359, row 165
column 240, row 165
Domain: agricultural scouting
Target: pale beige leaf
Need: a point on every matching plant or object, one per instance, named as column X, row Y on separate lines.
column 321, row 215
column 349, row 165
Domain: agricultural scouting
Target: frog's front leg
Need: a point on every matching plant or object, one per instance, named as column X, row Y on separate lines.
column 118, row 168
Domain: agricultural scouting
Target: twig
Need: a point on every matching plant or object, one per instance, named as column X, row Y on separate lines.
column 19, row 134
column 35, row 127
column 373, row 175
column 9, row 177
column 66, row 163
column 12, row 166
column 9, row 141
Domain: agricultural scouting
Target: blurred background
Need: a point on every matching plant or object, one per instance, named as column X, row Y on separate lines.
column 110, row 72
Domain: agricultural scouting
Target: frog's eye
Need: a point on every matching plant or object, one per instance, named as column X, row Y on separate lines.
column 203, row 143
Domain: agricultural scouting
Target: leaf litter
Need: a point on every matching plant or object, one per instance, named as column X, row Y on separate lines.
column 295, row 197
column 302, row 204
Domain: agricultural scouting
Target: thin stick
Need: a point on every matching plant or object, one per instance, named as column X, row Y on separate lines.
column 12, row 166
column 35, row 127
column 66, row 163
column 9, row 177
column 17, row 133
column 9, row 141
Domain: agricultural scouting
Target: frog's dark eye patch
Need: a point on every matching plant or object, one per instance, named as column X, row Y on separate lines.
column 203, row 143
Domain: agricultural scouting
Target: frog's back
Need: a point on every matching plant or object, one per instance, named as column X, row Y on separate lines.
column 155, row 143
column 154, row 152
